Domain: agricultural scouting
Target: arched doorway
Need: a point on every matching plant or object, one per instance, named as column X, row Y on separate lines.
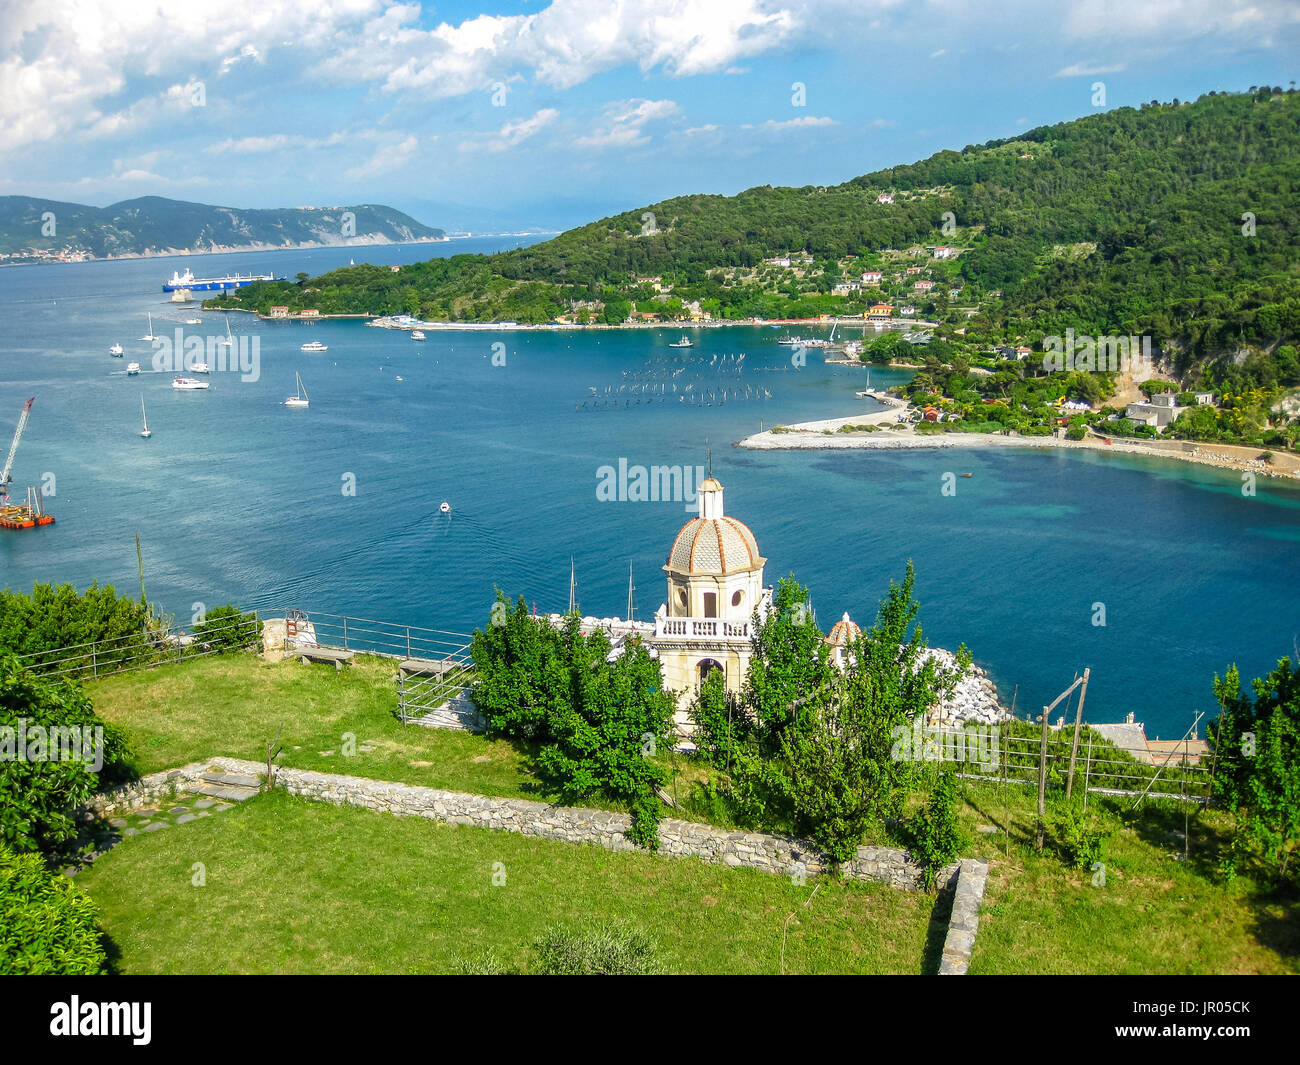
column 705, row 667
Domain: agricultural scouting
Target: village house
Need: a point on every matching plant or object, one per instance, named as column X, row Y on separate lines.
column 914, row 270
column 945, row 252
column 907, row 310
column 1204, row 399
column 1163, row 410
column 884, row 197
column 279, row 312
column 310, row 312
column 923, row 285
column 872, row 277
column 879, row 311
column 849, row 286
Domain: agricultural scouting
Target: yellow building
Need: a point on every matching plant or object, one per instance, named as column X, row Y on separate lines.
column 715, row 585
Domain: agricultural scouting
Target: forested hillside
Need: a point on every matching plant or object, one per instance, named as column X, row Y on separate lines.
column 1174, row 220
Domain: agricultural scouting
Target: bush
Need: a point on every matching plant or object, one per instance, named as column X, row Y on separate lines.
column 598, row 950
column 227, row 628
column 1080, row 837
column 39, row 793
column 54, row 618
column 936, row 836
column 48, row 926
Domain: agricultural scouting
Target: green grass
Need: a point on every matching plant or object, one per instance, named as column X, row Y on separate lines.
column 234, row 705
column 294, row 886
column 1155, row 914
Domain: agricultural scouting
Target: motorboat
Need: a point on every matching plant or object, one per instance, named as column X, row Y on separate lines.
column 685, row 342
column 188, row 384
column 417, row 335
column 132, row 368
column 315, row 345
column 116, row 351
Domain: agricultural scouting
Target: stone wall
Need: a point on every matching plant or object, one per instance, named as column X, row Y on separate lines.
column 782, row 855
column 968, row 894
column 757, row 850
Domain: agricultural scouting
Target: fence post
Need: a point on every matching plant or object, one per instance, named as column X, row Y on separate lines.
column 408, row 641
column 1078, row 723
column 345, row 632
column 94, row 661
column 1042, row 781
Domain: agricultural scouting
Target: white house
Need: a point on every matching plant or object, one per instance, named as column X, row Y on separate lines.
column 884, row 197
column 945, row 252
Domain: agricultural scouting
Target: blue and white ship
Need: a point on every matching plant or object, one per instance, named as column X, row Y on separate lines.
column 187, row 281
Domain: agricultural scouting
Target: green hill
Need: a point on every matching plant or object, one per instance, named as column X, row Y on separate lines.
column 153, row 224
column 1132, row 221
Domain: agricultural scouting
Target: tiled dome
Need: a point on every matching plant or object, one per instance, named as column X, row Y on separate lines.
column 844, row 632
column 714, row 546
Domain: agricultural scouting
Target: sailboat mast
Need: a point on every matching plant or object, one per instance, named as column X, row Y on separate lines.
column 631, row 609
column 573, row 587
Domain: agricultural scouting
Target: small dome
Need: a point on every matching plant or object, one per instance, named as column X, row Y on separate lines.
column 710, row 484
column 715, row 546
column 844, row 632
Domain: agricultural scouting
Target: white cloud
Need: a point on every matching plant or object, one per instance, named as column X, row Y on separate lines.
column 938, row 52
column 390, row 156
column 513, row 133
column 803, row 122
column 1087, row 70
column 624, row 124
column 1178, row 20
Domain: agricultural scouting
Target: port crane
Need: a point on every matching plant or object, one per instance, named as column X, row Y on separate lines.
column 29, row 515
column 5, row 476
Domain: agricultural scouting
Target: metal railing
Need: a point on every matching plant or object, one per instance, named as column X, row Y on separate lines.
column 143, row 650
column 389, row 640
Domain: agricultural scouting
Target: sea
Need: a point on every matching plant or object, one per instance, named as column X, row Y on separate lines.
column 1156, row 575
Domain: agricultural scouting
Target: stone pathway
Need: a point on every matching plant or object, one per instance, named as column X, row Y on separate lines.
column 216, row 791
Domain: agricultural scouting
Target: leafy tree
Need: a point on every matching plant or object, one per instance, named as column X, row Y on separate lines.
column 936, row 834
column 597, row 724
column 1257, row 765
column 227, row 628
column 48, row 926
column 39, row 792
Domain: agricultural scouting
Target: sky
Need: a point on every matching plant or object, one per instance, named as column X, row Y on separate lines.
column 538, row 116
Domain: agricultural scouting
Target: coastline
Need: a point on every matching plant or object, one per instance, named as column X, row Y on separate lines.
column 221, row 249
column 812, row 436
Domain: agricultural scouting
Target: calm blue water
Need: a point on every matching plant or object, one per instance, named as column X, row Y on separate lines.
column 237, row 498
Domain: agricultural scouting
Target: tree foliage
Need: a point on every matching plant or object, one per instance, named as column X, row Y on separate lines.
column 48, row 926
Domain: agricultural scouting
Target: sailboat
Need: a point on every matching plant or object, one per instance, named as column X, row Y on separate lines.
column 146, row 432
column 301, row 399
column 149, row 336
column 229, row 341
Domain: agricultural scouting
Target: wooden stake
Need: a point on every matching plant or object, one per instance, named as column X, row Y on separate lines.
column 1078, row 723
column 1042, row 779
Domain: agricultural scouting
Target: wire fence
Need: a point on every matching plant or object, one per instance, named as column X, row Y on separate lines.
column 145, row 649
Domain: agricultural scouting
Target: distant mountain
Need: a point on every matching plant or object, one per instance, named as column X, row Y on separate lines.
column 33, row 229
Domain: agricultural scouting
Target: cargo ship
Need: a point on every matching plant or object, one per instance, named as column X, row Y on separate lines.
column 188, row 282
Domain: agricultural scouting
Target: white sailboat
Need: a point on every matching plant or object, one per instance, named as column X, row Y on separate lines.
column 301, row 399
column 149, row 336
column 229, row 341
column 145, row 432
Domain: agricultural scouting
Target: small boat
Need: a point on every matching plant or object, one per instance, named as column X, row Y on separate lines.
column 315, row 345
column 445, row 507
column 145, row 432
column 968, row 475
column 798, row 341
column 199, row 367
column 401, row 378
column 149, row 335
column 193, row 321
column 229, row 342
column 116, row 351
column 301, row 399
column 132, row 368
column 188, row 384
column 685, row 342
column 417, row 335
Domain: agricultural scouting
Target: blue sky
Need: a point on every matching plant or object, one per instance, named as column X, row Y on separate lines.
column 512, row 115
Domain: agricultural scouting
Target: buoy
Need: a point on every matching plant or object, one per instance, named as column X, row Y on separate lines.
column 445, row 507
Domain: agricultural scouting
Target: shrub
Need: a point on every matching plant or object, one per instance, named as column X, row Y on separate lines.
column 227, row 628
column 596, row 950
column 48, row 926
column 936, row 836
column 38, row 793
column 1080, row 837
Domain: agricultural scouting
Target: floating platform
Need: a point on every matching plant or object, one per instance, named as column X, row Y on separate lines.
column 23, row 517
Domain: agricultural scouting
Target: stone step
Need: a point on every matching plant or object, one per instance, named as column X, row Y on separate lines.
column 221, row 791
column 234, row 780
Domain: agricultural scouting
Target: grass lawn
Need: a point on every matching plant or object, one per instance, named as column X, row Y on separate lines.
column 295, row 886
column 1155, row 914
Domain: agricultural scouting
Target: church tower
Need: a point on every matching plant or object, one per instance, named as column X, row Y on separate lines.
column 715, row 583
